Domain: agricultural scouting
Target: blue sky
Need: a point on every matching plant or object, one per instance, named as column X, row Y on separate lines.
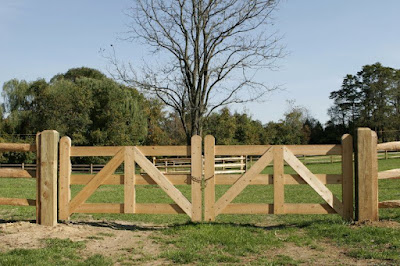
column 326, row 41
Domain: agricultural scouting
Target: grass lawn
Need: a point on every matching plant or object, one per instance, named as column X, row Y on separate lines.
column 251, row 239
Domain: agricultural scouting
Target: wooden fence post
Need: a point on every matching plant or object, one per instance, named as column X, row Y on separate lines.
column 347, row 172
column 196, row 177
column 209, row 178
column 48, row 177
column 64, row 182
column 367, row 175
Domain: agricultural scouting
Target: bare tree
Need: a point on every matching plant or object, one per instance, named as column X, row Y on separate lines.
column 214, row 48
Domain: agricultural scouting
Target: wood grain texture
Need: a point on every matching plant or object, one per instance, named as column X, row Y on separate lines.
column 230, row 150
column 88, row 190
column 17, row 147
column 304, row 208
column 209, row 178
column 129, row 181
column 389, row 204
column 347, row 171
column 388, row 146
column 140, row 208
column 313, row 181
column 279, row 181
column 267, row 179
column 17, row 202
column 64, row 181
column 367, row 175
column 17, row 173
column 389, row 174
column 248, row 208
column 163, row 182
column 48, row 177
column 196, row 176
column 241, row 183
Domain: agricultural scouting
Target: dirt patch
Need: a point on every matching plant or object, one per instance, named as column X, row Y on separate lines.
column 120, row 241
column 322, row 254
column 384, row 224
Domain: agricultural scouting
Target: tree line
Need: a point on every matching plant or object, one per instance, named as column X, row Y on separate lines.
column 93, row 109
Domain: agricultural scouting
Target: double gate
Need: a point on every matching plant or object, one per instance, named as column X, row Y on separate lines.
column 202, row 177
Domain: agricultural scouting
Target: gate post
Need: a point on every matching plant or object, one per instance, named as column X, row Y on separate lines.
column 47, row 193
column 367, row 175
column 196, row 177
column 347, row 172
column 64, row 187
column 209, row 178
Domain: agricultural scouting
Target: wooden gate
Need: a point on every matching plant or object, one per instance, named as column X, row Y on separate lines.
column 130, row 156
column 279, row 155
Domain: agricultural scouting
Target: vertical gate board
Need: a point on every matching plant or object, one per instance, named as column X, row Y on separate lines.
column 163, row 182
column 38, row 218
column 64, row 184
column 129, row 181
column 279, row 181
column 48, row 177
column 209, row 178
column 367, row 175
column 196, row 177
column 347, row 172
column 88, row 190
column 313, row 181
column 243, row 181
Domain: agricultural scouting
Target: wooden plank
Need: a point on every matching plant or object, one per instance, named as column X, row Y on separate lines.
column 367, row 175
column 304, row 208
column 17, row 202
column 248, row 208
column 229, row 150
column 142, row 179
column 165, row 150
column 266, row 179
column 163, row 182
column 17, row 147
column 129, row 181
column 389, row 204
column 48, row 177
column 347, row 171
column 156, row 208
column 389, row 174
column 244, row 180
column 17, row 173
column 87, row 191
column 64, row 183
column 313, row 181
column 38, row 218
column 196, row 176
column 279, row 181
column 100, row 208
column 388, row 146
column 141, row 208
column 84, row 151
column 209, row 178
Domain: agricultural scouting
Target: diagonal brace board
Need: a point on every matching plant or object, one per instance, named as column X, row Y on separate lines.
column 313, row 181
column 163, row 182
column 97, row 180
column 243, row 181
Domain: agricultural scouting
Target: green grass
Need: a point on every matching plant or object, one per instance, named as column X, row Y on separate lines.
column 55, row 252
column 232, row 238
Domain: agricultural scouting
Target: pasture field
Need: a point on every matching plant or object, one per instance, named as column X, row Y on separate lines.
column 104, row 239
